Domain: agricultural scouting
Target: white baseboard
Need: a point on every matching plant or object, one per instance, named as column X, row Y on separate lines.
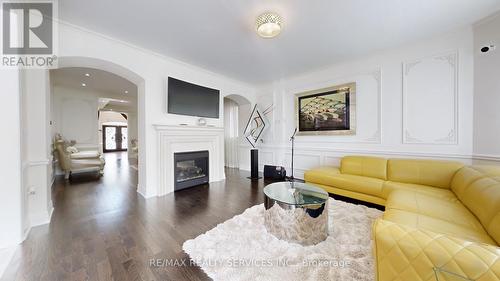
column 37, row 220
column 41, row 218
column 25, row 234
column 145, row 196
column 6, row 256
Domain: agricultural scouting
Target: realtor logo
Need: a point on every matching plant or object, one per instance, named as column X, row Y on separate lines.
column 28, row 34
column 27, row 28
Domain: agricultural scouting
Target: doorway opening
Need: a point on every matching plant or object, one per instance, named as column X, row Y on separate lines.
column 114, row 138
column 236, row 111
column 113, row 130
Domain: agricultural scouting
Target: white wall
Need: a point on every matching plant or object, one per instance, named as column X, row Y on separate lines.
column 11, row 218
column 487, row 90
column 25, row 173
column 152, row 70
column 74, row 113
column 36, row 147
column 432, row 117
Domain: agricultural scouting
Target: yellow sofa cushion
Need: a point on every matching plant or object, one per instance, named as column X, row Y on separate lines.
column 491, row 171
column 321, row 175
column 374, row 167
column 390, row 186
column 482, row 197
column 494, row 228
column 352, row 194
column 433, row 206
column 424, row 222
column 407, row 254
column 366, row 185
column 464, row 177
column 425, row 172
column 331, row 177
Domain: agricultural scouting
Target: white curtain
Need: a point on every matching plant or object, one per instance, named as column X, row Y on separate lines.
column 231, row 133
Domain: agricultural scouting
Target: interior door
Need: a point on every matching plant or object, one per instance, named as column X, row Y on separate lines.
column 114, row 138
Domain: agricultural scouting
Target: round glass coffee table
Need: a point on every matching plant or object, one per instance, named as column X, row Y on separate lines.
column 296, row 212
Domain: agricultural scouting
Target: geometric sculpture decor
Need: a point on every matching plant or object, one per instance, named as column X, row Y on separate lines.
column 253, row 131
column 256, row 125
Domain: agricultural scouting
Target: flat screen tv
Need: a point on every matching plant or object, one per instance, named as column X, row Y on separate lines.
column 189, row 99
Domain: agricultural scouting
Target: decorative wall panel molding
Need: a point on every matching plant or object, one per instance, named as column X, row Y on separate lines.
column 376, row 137
column 302, row 161
column 330, row 160
column 266, row 157
column 430, row 100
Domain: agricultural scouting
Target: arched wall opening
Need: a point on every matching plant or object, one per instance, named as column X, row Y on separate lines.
column 237, row 109
column 108, row 66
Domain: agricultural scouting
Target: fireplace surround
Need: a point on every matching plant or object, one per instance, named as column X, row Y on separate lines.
column 174, row 139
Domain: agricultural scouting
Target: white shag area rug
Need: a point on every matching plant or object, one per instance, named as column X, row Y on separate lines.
column 242, row 249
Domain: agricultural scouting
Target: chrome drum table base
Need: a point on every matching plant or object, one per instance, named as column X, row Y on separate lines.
column 296, row 212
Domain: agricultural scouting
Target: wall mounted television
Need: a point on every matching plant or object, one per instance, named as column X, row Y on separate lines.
column 189, row 99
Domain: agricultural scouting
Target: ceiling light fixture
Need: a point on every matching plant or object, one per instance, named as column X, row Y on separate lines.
column 126, row 92
column 268, row 25
column 87, row 74
column 84, row 85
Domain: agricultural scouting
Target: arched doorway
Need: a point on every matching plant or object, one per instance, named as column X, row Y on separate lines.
column 236, row 111
column 111, row 67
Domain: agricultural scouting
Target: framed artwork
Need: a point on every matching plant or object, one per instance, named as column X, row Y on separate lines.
column 255, row 126
column 329, row 111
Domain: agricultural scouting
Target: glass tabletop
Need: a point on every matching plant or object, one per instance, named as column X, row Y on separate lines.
column 296, row 193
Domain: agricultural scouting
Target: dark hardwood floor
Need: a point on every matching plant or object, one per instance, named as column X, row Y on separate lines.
column 101, row 229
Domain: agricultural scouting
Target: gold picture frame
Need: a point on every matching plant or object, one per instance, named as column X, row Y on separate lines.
column 327, row 111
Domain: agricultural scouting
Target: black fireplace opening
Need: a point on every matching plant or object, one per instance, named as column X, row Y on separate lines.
column 191, row 169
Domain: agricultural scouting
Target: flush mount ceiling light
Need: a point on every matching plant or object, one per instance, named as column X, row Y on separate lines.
column 268, row 25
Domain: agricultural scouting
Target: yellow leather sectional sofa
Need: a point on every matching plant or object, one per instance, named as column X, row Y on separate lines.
column 441, row 219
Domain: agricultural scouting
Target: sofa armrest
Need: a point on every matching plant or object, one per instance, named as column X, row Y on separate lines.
column 406, row 253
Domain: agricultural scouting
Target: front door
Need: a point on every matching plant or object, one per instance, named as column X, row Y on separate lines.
column 114, row 138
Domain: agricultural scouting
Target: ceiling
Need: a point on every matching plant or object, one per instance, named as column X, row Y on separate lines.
column 116, row 105
column 219, row 35
column 98, row 81
column 116, row 93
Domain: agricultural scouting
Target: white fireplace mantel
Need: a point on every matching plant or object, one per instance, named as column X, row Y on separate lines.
column 173, row 139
